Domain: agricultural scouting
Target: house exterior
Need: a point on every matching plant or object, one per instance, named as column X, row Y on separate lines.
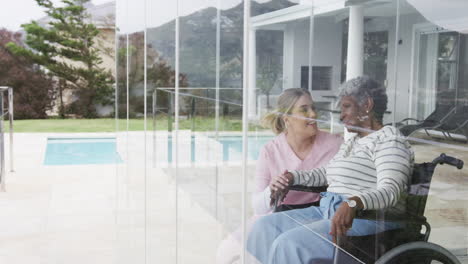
column 103, row 17
column 351, row 38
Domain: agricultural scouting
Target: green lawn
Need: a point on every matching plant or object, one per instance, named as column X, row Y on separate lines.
column 109, row 125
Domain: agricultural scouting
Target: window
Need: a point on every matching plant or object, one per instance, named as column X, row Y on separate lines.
column 375, row 51
column 321, row 78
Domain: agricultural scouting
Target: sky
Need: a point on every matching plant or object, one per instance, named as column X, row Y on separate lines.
column 134, row 15
column 16, row 12
column 13, row 13
column 129, row 12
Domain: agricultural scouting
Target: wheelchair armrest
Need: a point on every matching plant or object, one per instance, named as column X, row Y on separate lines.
column 299, row 188
column 302, row 188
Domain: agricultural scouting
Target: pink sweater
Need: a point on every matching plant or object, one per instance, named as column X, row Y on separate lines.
column 277, row 156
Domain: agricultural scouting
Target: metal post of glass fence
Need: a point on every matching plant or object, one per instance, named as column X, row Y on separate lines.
column 2, row 142
column 192, row 114
column 154, row 127
column 218, row 69
column 10, row 117
column 170, row 111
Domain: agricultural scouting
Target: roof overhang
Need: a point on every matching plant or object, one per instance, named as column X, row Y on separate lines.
column 297, row 12
column 336, row 8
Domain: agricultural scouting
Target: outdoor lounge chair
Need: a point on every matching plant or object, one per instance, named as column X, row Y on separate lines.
column 407, row 245
column 435, row 119
column 455, row 123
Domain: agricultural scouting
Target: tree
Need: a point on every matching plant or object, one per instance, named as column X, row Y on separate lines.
column 66, row 47
column 269, row 65
column 159, row 75
column 267, row 77
column 33, row 89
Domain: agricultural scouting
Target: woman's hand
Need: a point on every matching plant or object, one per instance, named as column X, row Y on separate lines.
column 281, row 182
column 342, row 221
column 279, row 186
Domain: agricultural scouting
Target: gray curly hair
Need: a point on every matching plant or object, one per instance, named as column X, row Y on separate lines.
column 364, row 87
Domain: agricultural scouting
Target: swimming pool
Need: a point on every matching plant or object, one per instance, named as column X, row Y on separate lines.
column 231, row 147
column 80, row 151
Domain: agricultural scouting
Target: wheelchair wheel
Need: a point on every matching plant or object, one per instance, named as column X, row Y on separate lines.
column 418, row 253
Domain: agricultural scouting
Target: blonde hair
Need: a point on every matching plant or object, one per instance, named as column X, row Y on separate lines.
column 286, row 102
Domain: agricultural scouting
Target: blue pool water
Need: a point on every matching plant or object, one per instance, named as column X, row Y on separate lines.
column 232, row 147
column 77, row 151
column 233, row 144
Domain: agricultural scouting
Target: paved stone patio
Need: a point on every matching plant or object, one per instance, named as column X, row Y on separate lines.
column 105, row 213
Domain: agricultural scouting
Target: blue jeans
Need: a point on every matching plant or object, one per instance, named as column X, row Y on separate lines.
column 302, row 235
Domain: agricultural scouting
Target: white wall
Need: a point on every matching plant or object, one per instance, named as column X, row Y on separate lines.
column 327, row 49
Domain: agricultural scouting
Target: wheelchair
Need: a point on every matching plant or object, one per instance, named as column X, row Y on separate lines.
column 408, row 245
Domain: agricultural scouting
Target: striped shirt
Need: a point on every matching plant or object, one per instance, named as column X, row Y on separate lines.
column 376, row 168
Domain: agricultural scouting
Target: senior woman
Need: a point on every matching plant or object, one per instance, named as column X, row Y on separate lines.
column 370, row 171
column 299, row 145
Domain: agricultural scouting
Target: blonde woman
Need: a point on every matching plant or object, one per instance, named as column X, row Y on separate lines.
column 299, row 145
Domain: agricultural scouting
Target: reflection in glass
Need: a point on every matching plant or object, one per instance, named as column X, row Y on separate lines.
column 435, row 58
column 194, row 201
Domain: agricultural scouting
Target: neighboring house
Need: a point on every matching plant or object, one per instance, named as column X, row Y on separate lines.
column 103, row 16
column 431, row 61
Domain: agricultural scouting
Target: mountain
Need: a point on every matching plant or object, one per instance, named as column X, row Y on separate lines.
column 198, row 43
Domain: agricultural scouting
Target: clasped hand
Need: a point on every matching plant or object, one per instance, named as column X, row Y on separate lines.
column 279, row 186
column 342, row 221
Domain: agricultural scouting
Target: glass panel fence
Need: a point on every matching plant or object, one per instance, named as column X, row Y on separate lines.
column 197, row 179
column 431, row 90
column 122, row 55
column 375, row 141
column 162, row 170
column 132, row 174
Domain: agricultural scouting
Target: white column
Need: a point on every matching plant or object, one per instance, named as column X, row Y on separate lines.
column 355, row 60
column 252, row 76
column 355, row 56
column 288, row 57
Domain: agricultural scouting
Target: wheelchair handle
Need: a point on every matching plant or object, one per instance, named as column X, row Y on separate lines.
column 444, row 159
